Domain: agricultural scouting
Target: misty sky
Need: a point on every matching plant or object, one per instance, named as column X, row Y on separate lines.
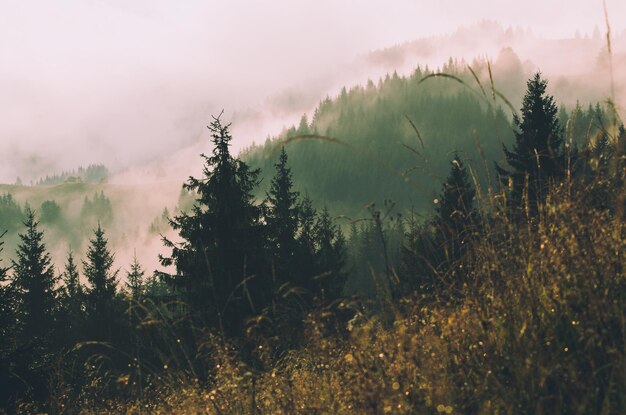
column 123, row 81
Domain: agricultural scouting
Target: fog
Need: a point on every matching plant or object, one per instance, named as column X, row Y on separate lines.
column 128, row 82
column 132, row 84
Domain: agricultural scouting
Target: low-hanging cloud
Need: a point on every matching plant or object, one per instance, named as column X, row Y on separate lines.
column 133, row 84
column 123, row 83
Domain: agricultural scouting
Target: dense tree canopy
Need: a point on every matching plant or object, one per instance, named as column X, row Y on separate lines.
column 375, row 153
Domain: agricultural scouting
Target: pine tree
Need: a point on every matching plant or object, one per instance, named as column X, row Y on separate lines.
column 331, row 257
column 134, row 279
column 282, row 222
column 34, row 282
column 432, row 250
column 220, row 265
column 537, row 158
column 7, row 319
column 100, row 295
column 306, row 260
column 136, row 290
column 306, row 225
column 72, row 296
column 456, row 219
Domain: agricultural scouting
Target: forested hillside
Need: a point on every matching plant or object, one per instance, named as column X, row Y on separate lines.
column 392, row 139
column 495, row 285
column 313, row 207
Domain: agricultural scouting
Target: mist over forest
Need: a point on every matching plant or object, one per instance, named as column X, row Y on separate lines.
column 576, row 67
column 434, row 223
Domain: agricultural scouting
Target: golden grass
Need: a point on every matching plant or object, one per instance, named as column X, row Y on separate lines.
column 539, row 328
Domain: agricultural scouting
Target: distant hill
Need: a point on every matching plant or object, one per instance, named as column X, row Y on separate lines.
column 393, row 139
column 94, row 173
column 68, row 213
column 390, row 140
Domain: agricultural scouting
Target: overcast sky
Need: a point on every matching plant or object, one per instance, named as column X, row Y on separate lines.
column 121, row 81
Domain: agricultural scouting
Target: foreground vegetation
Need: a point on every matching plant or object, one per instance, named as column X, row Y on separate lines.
column 538, row 327
column 508, row 299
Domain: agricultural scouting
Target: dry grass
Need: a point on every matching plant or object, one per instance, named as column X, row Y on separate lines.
column 540, row 329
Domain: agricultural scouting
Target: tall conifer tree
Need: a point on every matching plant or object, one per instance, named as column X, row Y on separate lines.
column 134, row 279
column 100, row 295
column 72, row 296
column 220, row 265
column 7, row 319
column 306, row 260
column 456, row 218
column 282, row 221
column 537, row 157
column 331, row 257
column 34, row 282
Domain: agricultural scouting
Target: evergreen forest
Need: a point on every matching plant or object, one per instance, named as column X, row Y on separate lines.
column 422, row 244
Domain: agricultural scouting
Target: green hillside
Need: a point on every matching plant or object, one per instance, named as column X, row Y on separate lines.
column 390, row 140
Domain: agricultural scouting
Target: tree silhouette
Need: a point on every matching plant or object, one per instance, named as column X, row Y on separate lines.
column 331, row 257
column 7, row 299
column 30, row 356
column 134, row 279
column 282, row 223
column 220, row 265
column 72, row 297
column 34, row 282
column 432, row 250
column 456, row 219
column 100, row 294
column 537, row 158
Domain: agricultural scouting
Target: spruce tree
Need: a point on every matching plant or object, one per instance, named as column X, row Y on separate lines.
column 306, row 260
column 282, row 222
column 100, row 298
column 456, row 219
column 29, row 360
column 331, row 257
column 136, row 290
column 289, row 301
column 34, row 282
column 537, row 158
column 134, row 279
column 433, row 249
column 72, row 296
column 7, row 319
column 306, row 228
column 221, row 269
column 73, row 287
